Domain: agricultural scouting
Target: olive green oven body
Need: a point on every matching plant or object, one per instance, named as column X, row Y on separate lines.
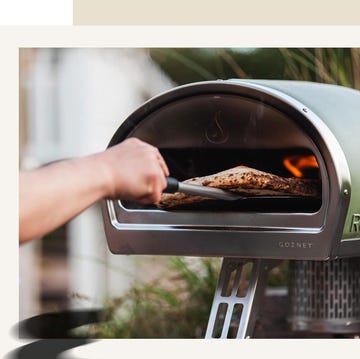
column 205, row 127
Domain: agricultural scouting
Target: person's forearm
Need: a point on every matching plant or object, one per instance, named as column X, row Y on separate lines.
column 58, row 192
column 54, row 194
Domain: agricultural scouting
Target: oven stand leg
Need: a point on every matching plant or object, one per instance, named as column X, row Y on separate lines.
column 235, row 305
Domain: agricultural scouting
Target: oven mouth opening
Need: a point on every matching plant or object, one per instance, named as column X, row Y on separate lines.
column 185, row 163
column 273, row 204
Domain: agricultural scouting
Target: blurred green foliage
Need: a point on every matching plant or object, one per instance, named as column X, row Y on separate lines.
column 329, row 65
column 190, row 65
column 178, row 309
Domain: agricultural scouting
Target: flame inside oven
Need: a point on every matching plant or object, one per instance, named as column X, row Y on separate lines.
column 301, row 166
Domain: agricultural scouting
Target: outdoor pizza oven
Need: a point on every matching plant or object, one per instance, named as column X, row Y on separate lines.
column 207, row 127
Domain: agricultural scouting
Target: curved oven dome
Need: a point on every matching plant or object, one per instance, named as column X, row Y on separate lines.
column 207, row 127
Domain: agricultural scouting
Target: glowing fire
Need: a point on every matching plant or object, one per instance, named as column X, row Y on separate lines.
column 299, row 165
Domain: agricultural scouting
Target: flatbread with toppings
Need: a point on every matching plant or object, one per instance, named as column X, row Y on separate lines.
column 248, row 182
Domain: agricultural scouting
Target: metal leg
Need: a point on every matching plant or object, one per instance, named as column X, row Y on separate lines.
column 235, row 306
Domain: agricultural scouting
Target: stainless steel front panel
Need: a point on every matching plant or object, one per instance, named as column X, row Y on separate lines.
column 204, row 121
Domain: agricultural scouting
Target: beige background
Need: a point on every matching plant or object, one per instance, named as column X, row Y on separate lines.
column 225, row 12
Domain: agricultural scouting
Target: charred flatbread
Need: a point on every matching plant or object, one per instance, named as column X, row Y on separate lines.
column 247, row 182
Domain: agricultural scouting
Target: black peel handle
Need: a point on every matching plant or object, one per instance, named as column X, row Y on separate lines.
column 172, row 185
